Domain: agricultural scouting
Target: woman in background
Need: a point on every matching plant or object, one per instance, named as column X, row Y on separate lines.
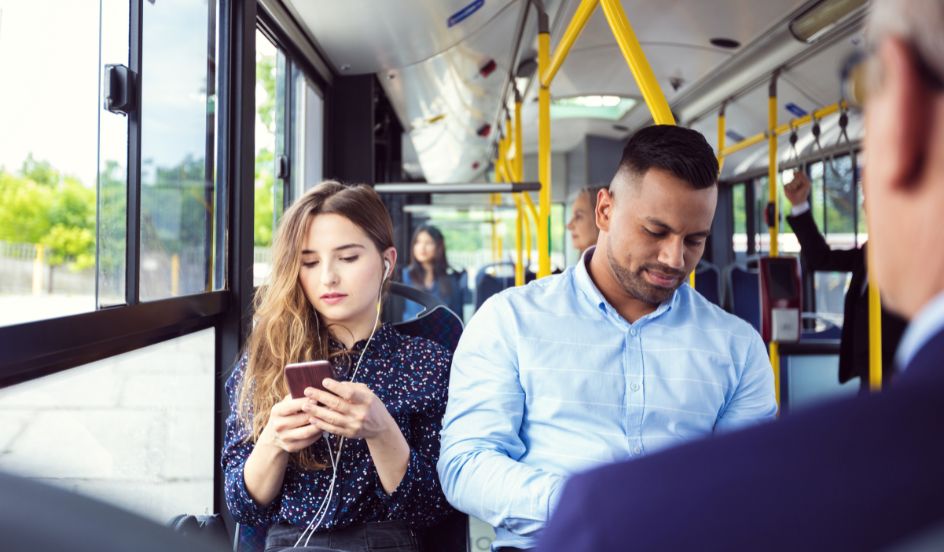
column 582, row 223
column 429, row 271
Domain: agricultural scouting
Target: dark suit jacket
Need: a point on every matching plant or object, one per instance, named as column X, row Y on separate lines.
column 855, row 474
column 854, row 343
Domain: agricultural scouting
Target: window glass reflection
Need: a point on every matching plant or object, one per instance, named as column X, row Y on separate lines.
column 176, row 149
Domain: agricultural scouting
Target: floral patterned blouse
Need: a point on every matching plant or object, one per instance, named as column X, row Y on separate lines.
column 410, row 375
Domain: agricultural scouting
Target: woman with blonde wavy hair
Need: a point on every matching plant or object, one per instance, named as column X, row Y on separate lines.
column 353, row 464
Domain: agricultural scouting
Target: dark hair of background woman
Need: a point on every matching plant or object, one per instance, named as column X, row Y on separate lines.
column 440, row 267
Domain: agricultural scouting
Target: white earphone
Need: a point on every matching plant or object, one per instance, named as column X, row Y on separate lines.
column 335, row 457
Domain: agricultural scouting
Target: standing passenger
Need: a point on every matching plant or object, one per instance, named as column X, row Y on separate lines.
column 612, row 359
column 862, row 473
column 381, row 415
column 854, row 345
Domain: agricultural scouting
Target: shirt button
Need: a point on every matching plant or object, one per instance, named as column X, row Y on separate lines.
column 637, row 450
column 633, row 332
column 634, row 387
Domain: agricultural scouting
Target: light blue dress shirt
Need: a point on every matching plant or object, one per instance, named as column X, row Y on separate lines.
column 925, row 325
column 549, row 379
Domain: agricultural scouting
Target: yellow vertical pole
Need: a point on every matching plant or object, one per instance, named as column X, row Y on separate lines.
column 175, row 275
column 721, row 137
column 500, row 176
column 38, row 262
column 774, row 228
column 517, row 165
column 528, row 228
column 875, row 328
column 519, row 242
column 642, row 71
column 544, row 153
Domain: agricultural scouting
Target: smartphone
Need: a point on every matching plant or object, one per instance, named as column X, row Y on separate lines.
column 300, row 375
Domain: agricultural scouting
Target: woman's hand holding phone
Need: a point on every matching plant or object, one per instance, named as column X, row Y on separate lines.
column 348, row 409
column 288, row 427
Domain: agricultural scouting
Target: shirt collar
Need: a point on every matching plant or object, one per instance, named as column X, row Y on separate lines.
column 923, row 327
column 586, row 285
column 384, row 340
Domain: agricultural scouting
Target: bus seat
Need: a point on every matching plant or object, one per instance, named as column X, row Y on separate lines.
column 745, row 294
column 492, row 278
column 38, row 516
column 708, row 282
column 437, row 323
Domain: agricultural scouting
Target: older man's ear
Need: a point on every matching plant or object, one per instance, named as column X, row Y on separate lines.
column 904, row 92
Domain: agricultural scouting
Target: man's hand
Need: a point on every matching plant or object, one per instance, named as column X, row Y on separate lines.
column 798, row 190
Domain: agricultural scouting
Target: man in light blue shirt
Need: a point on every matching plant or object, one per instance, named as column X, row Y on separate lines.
column 612, row 359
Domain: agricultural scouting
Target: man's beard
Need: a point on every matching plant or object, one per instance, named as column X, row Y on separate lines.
column 635, row 284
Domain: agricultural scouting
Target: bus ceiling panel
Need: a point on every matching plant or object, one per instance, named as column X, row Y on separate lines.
column 675, row 35
column 448, row 103
column 370, row 36
column 603, row 70
column 752, row 64
column 689, row 22
column 566, row 134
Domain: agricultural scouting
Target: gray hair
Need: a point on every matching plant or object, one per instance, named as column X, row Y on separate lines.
column 918, row 22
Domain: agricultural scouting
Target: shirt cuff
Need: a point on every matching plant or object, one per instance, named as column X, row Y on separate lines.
column 251, row 512
column 800, row 208
column 395, row 500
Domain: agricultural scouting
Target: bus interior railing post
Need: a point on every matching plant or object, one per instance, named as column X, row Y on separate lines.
column 773, row 211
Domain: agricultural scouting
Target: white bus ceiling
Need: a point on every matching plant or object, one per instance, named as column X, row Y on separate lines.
column 431, row 71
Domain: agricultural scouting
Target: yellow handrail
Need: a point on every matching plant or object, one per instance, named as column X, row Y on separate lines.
column 581, row 16
column 547, row 70
column 782, row 129
column 642, row 71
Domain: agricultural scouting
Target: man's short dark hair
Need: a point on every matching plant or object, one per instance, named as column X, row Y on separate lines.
column 681, row 151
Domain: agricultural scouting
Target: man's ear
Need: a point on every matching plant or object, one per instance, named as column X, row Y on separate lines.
column 604, row 209
column 908, row 97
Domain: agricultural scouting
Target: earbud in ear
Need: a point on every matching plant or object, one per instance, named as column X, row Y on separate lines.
column 386, row 269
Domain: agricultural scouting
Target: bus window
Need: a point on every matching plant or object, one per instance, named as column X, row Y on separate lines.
column 739, row 208
column 288, row 141
column 833, row 200
column 49, row 156
column 270, row 62
column 177, row 161
column 135, row 430
column 840, row 204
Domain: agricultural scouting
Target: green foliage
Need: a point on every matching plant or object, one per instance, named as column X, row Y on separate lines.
column 264, row 201
column 264, row 212
column 265, row 76
column 70, row 244
column 24, row 205
column 41, row 206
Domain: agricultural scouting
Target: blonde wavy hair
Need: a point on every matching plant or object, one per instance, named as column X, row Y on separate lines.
column 287, row 328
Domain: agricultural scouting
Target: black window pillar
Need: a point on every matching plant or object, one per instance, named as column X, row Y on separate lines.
column 237, row 177
column 349, row 144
